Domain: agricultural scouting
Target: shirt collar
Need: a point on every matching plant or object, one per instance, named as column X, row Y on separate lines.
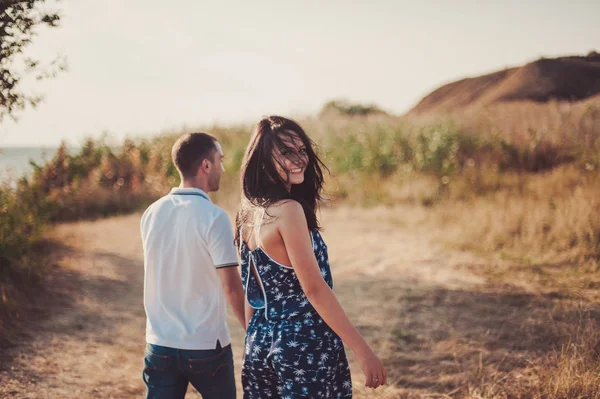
column 189, row 191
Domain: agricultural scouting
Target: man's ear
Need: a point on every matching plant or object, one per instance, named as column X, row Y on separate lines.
column 205, row 165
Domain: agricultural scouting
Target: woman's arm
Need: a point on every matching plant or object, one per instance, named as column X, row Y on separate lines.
column 294, row 230
column 248, row 312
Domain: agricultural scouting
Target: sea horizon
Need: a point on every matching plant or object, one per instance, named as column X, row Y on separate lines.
column 15, row 161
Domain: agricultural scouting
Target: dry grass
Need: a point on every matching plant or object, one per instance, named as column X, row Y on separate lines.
column 505, row 307
column 545, row 226
column 515, row 316
column 532, row 331
column 443, row 330
column 540, row 235
column 570, row 371
column 547, row 220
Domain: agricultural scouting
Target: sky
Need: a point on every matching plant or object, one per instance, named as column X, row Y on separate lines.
column 138, row 68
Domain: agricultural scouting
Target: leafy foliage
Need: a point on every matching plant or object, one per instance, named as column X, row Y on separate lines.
column 19, row 21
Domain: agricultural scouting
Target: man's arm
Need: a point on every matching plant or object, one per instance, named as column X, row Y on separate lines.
column 232, row 286
column 225, row 258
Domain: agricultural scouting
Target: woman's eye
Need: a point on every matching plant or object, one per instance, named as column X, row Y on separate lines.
column 303, row 151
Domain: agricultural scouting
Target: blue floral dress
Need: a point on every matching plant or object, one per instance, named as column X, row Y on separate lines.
column 290, row 352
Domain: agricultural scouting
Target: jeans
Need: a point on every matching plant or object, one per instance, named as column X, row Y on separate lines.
column 167, row 372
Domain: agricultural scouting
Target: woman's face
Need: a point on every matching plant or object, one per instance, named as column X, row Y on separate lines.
column 291, row 162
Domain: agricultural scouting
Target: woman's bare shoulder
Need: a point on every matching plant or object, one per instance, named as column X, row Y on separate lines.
column 286, row 208
column 287, row 213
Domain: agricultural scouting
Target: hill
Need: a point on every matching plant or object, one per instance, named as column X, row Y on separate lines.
column 569, row 79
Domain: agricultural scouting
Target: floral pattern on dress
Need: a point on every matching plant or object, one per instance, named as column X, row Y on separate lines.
column 289, row 351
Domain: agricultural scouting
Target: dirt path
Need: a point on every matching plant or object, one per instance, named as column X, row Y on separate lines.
column 415, row 301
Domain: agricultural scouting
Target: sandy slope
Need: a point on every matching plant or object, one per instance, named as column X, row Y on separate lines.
column 396, row 285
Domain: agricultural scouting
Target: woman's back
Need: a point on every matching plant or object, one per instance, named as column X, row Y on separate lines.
column 290, row 350
column 274, row 286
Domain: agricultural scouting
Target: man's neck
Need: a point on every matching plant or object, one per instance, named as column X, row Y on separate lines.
column 191, row 184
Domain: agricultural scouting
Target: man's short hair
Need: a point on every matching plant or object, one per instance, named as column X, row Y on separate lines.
column 190, row 150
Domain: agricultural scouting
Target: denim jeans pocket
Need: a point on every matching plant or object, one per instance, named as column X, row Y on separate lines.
column 213, row 364
column 157, row 368
column 156, row 361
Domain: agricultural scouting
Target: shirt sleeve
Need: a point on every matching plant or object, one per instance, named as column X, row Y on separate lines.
column 220, row 242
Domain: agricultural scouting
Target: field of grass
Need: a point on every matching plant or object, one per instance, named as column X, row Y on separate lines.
column 543, row 182
column 523, row 195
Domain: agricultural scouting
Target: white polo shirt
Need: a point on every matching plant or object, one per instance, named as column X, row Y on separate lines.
column 186, row 238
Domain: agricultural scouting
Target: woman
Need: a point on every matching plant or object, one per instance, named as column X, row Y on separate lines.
column 295, row 324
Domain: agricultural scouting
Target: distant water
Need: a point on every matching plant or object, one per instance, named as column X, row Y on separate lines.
column 14, row 161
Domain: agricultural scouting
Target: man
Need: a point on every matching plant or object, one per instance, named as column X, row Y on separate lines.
column 189, row 270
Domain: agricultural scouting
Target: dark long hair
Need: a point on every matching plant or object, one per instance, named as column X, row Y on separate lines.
column 262, row 185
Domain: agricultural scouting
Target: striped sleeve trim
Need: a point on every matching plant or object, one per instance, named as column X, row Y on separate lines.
column 227, row 265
